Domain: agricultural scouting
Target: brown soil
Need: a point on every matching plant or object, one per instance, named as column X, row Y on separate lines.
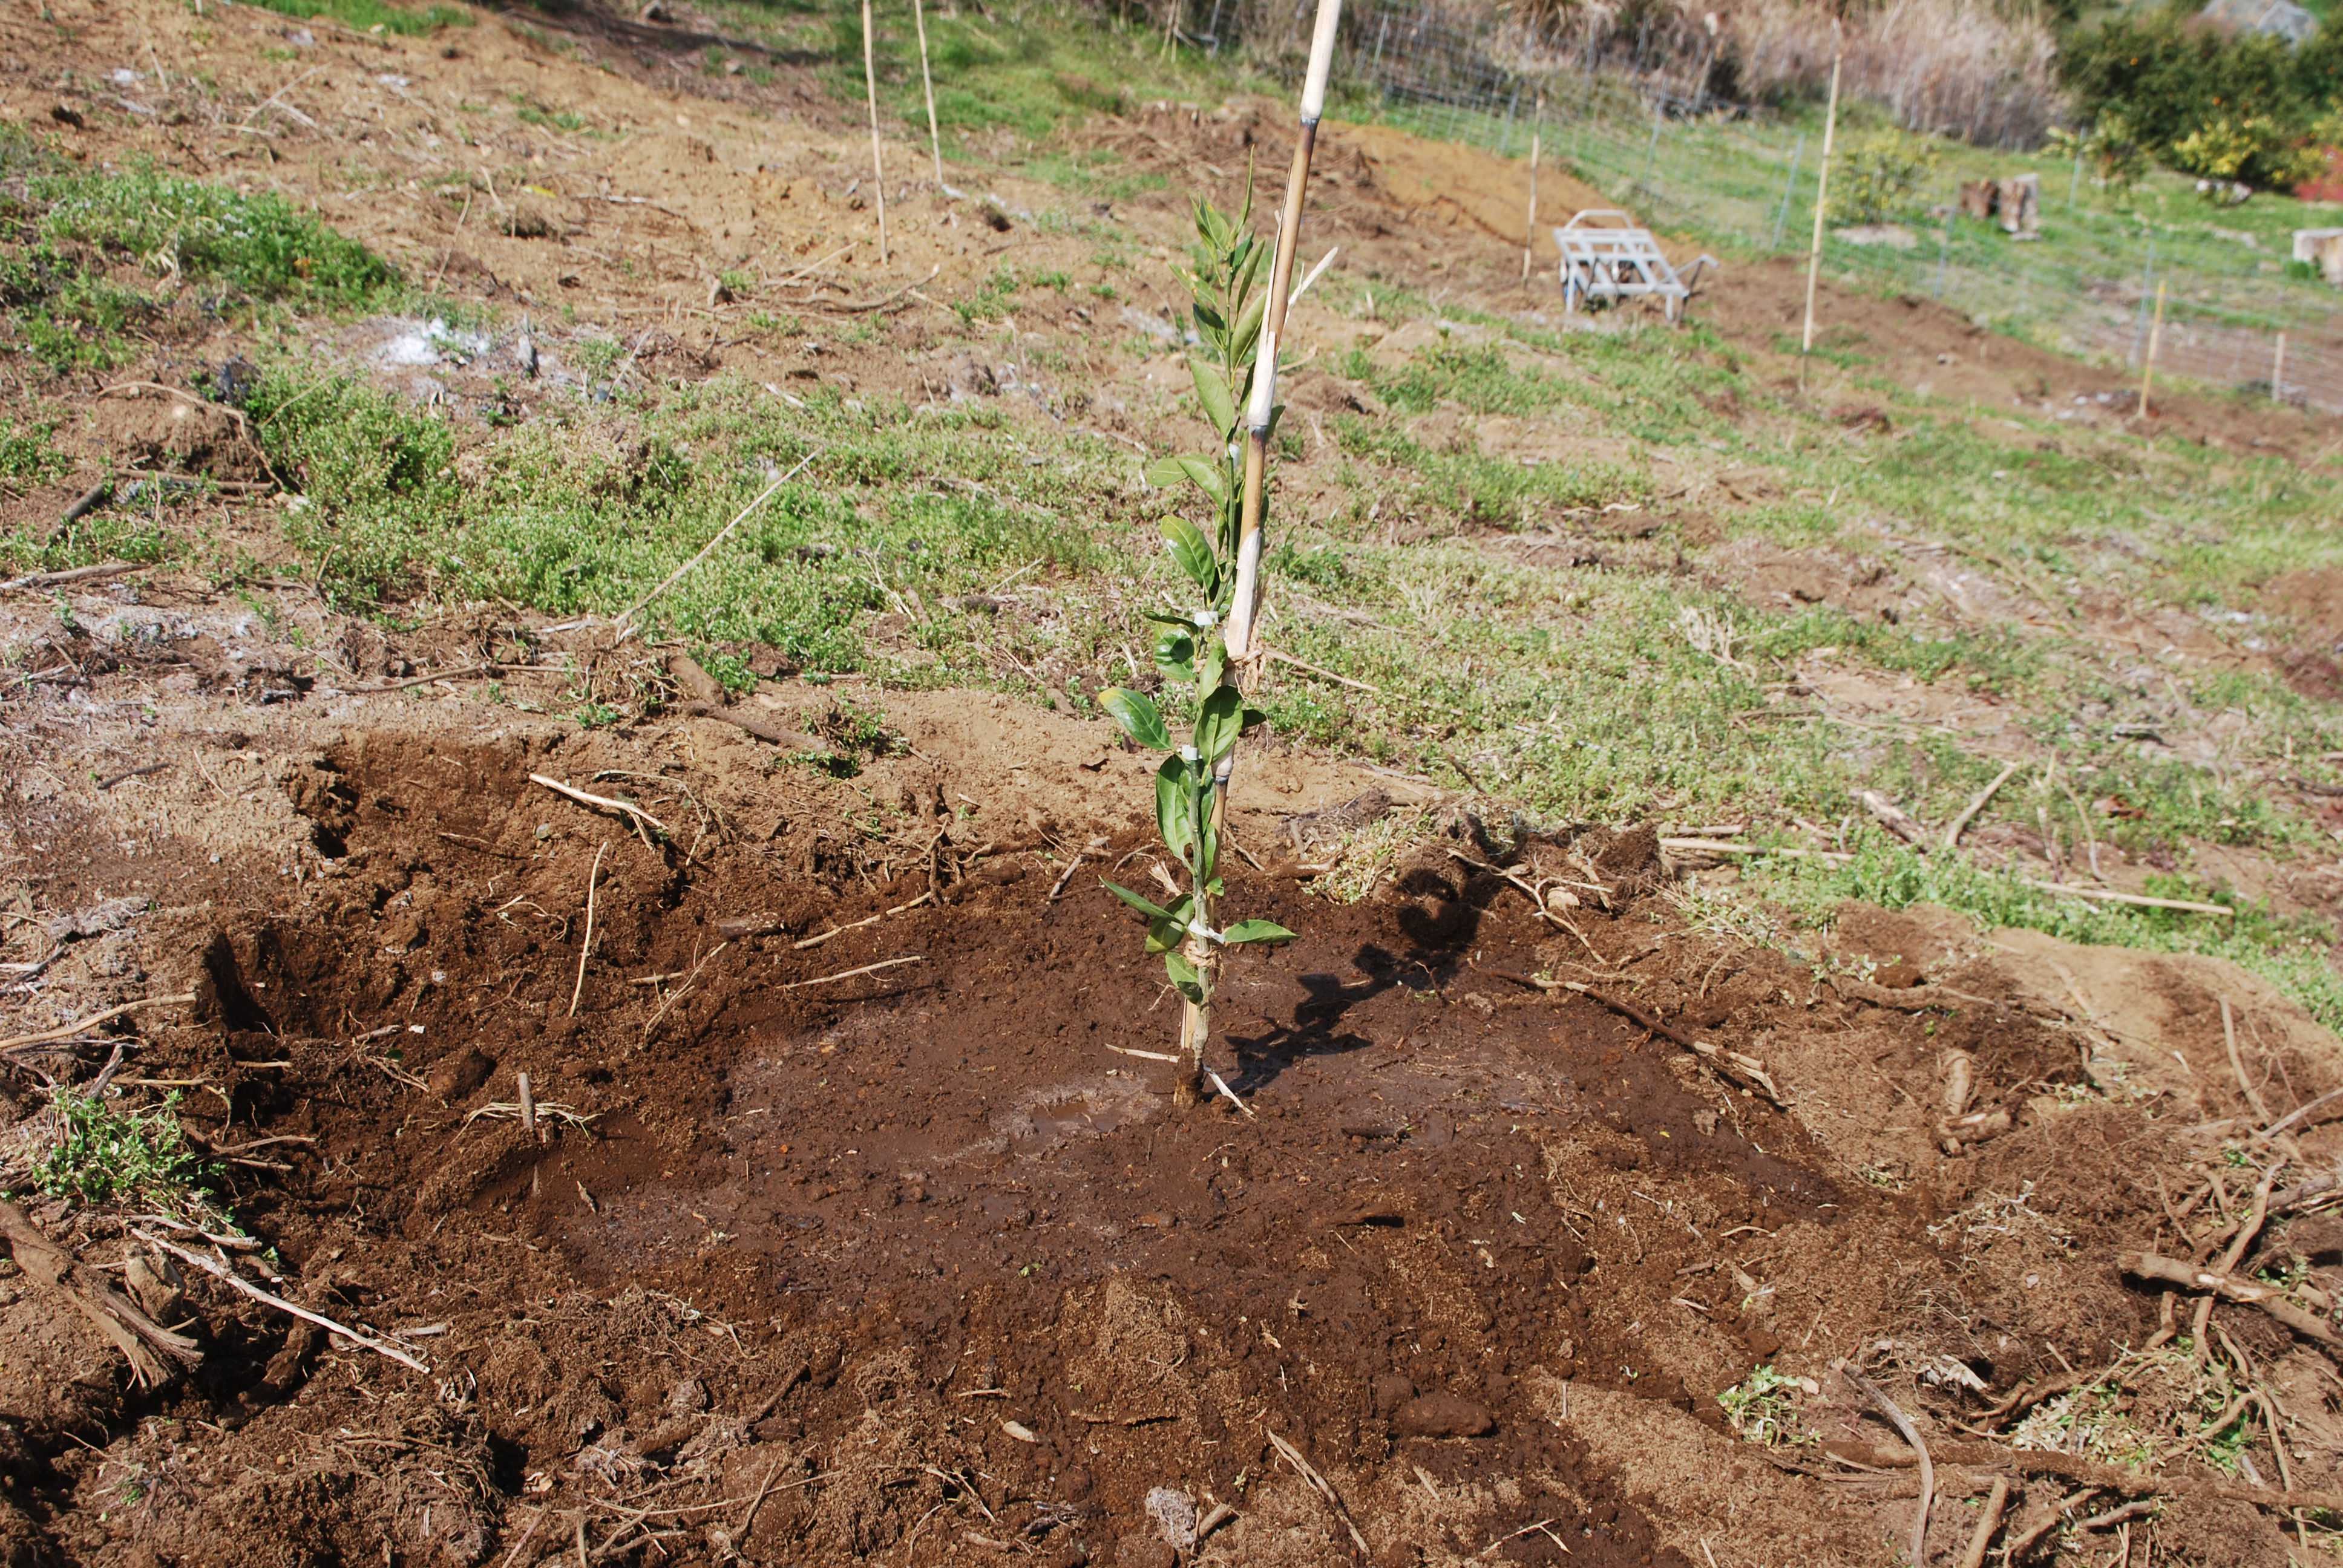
column 917, row 1265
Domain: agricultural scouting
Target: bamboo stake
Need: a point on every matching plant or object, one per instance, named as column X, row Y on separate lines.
column 870, row 88
column 928, row 85
column 2277, row 371
column 2155, row 339
column 1822, row 204
column 1529, row 224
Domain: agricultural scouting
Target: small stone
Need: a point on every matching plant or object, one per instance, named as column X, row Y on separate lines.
column 457, row 1076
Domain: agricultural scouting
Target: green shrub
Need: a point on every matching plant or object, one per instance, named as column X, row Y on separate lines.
column 2203, row 102
column 1879, row 176
column 2111, row 148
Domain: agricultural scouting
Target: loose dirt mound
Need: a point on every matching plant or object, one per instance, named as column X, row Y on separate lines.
column 1454, row 184
column 873, row 1245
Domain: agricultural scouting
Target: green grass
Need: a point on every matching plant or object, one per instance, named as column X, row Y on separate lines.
column 567, row 515
column 68, row 245
column 1721, row 184
column 2292, row 954
column 28, row 455
column 410, row 21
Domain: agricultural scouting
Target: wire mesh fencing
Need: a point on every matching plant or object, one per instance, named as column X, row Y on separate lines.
column 1682, row 161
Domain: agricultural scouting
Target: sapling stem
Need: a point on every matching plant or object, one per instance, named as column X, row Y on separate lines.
column 1211, row 645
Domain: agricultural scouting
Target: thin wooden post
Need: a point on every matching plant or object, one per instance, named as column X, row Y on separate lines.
column 928, row 85
column 1529, row 225
column 870, row 87
column 1171, row 29
column 2155, row 337
column 1821, row 206
column 2277, row 371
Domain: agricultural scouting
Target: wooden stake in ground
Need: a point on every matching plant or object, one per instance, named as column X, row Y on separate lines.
column 2154, row 341
column 1529, row 224
column 928, row 85
column 870, row 87
column 1821, row 205
column 2277, row 371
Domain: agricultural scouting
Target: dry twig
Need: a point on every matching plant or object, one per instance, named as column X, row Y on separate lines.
column 1972, row 1556
column 1911, row 1434
column 1321, row 1486
column 227, row 1276
column 587, row 947
column 2230, row 1288
column 608, row 803
column 850, row 974
column 80, row 1025
column 1977, row 803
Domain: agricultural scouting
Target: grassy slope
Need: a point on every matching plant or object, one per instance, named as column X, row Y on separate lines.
column 1572, row 691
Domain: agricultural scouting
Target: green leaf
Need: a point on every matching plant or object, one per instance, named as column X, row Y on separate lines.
column 1175, row 807
column 1164, row 473
column 1139, row 716
column 1253, row 719
column 1212, row 392
column 1184, row 978
column 1256, row 931
column 1210, row 477
column 1247, row 333
column 1169, row 932
column 1218, row 722
column 1153, row 911
column 1192, row 552
column 1175, row 654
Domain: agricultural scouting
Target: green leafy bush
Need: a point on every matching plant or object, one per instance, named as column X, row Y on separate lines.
column 2110, row 147
column 1879, row 175
column 2203, row 102
column 2253, row 149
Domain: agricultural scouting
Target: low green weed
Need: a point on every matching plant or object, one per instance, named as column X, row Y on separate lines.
column 109, row 1154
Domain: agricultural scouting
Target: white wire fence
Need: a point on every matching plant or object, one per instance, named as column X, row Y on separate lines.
column 1685, row 162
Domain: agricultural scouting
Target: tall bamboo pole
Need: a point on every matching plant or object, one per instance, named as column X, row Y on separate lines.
column 1822, row 205
column 870, row 87
column 2277, row 371
column 1529, row 224
column 928, row 85
column 1244, row 606
column 2155, row 339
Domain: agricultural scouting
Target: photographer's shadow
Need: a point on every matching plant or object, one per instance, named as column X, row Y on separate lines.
column 1440, row 928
